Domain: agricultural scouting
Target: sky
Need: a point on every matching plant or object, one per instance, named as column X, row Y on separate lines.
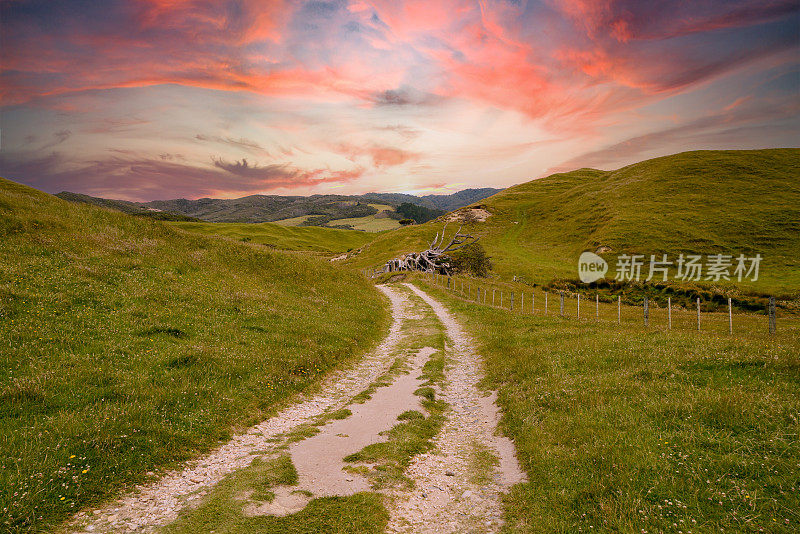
column 159, row 99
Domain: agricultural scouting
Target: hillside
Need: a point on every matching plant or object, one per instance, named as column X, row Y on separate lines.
column 449, row 202
column 460, row 199
column 268, row 208
column 130, row 208
column 734, row 202
column 314, row 210
column 129, row 345
column 311, row 239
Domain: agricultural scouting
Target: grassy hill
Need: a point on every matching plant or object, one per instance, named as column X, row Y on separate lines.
column 127, row 345
column 734, row 202
column 131, row 208
column 273, row 235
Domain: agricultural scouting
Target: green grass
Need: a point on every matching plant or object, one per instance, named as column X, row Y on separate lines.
column 265, row 475
column 293, row 221
column 362, row 513
column 127, row 345
column 703, row 202
column 627, row 429
column 482, row 462
column 222, row 510
column 273, row 235
column 369, row 223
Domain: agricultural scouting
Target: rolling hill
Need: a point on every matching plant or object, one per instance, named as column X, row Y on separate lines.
column 708, row 202
column 130, row 208
column 315, row 210
column 128, row 345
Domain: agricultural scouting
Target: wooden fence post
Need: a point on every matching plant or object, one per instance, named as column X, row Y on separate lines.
column 521, row 302
column 562, row 303
column 493, row 291
column 597, row 306
column 698, row 314
column 448, row 282
column 669, row 312
column 772, row 326
column 619, row 309
column 646, row 310
column 533, row 301
column 730, row 316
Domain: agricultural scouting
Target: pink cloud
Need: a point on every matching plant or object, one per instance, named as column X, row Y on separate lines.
column 381, row 156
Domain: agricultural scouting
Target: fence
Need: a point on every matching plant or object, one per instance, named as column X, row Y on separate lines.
column 529, row 301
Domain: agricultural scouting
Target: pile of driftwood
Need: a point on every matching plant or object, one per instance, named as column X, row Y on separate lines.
column 433, row 260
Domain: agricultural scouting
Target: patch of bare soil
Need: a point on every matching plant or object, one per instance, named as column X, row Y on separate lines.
column 469, row 215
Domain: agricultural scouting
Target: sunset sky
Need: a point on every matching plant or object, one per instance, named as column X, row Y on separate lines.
column 156, row 99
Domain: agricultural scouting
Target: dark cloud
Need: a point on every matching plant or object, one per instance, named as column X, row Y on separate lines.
column 266, row 173
column 58, row 138
column 138, row 178
column 404, row 96
column 629, row 20
column 62, row 136
column 166, row 156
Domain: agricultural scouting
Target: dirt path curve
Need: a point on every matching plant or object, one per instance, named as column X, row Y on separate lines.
column 458, row 485
column 156, row 504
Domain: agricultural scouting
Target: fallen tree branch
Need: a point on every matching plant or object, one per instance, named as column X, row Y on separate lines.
column 433, row 260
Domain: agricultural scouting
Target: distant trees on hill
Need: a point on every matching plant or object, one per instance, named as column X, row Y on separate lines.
column 420, row 214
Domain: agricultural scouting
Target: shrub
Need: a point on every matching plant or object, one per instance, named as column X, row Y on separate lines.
column 471, row 259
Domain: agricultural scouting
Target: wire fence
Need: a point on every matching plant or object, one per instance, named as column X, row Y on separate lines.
column 525, row 300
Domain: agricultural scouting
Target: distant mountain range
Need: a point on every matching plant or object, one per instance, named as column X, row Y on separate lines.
column 320, row 209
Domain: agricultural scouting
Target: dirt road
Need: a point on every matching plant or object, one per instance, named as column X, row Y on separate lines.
column 455, row 486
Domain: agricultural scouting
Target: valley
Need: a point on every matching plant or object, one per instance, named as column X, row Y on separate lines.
column 183, row 376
